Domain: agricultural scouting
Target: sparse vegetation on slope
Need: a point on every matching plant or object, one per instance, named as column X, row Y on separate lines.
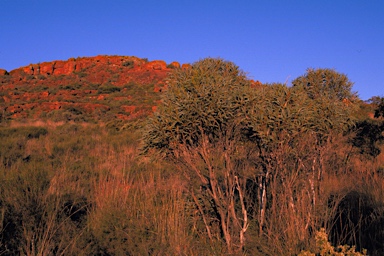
column 83, row 89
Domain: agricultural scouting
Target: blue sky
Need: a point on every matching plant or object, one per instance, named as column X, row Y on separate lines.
column 271, row 40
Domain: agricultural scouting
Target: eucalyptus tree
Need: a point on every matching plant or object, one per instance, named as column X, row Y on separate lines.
column 275, row 121
column 222, row 133
column 332, row 104
column 290, row 127
column 199, row 125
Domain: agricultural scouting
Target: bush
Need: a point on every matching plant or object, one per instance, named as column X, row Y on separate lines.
column 74, row 86
column 27, row 132
column 129, row 64
column 324, row 248
column 108, row 88
column 13, row 142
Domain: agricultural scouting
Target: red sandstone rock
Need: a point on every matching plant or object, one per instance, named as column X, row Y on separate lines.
column 101, row 97
column 175, row 64
column 28, row 70
column 6, row 99
column 49, row 106
column 186, row 65
column 43, row 95
column 84, row 63
column 46, row 68
column 3, row 72
column 123, row 98
column 128, row 109
column 123, row 117
column 20, row 115
column 90, row 107
column 156, row 65
column 256, row 84
column 64, row 67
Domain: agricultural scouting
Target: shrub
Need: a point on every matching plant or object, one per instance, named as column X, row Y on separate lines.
column 108, row 88
column 13, row 142
column 74, row 86
column 82, row 74
column 40, row 88
column 129, row 64
column 324, row 247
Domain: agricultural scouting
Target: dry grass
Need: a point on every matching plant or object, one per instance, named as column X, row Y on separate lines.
column 135, row 205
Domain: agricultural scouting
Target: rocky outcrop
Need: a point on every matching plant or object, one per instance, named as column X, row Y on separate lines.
column 101, row 87
column 174, row 64
column 63, row 67
column 3, row 72
column 156, row 65
column 256, row 84
column 79, row 64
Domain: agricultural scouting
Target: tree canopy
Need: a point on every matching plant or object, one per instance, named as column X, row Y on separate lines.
column 326, row 83
column 202, row 100
column 226, row 135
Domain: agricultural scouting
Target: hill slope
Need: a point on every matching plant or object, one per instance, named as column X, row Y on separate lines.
column 98, row 88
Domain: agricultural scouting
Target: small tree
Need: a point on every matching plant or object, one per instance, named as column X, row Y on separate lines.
column 199, row 126
column 291, row 130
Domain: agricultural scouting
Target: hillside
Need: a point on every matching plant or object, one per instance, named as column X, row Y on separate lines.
column 97, row 88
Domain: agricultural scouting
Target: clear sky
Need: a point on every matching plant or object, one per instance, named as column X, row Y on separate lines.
column 271, row 40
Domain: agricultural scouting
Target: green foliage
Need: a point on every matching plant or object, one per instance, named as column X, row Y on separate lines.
column 368, row 137
column 37, row 221
column 379, row 111
column 211, row 118
column 74, row 86
column 171, row 66
column 324, row 248
column 129, row 64
column 81, row 74
column 68, row 113
column 330, row 102
column 279, row 115
column 204, row 100
column 325, row 83
column 14, row 140
column 28, row 132
column 93, row 86
column 199, row 123
column 108, row 88
column 40, row 88
column 41, row 77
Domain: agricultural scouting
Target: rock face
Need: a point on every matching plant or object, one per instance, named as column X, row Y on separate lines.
column 174, row 64
column 185, row 66
column 97, row 88
column 156, row 65
column 77, row 65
